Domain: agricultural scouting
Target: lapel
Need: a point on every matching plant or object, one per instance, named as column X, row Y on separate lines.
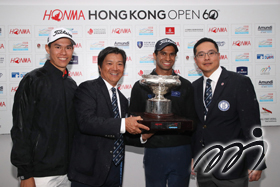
column 221, row 84
column 105, row 94
column 199, row 99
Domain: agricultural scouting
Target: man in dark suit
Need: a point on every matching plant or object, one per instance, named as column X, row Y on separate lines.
column 228, row 112
column 98, row 149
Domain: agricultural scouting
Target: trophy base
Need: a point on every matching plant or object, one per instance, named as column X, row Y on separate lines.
column 164, row 122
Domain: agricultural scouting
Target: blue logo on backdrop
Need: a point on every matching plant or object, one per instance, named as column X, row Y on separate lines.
column 140, row 44
column 242, row 70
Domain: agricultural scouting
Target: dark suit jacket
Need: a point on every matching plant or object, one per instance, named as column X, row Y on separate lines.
column 98, row 129
column 235, row 124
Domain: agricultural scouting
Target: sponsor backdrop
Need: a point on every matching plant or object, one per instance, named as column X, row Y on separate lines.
column 247, row 37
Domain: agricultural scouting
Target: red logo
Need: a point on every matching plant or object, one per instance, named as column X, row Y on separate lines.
column 59, row 15
column 14, row 89
column 223, row 57
column 94, row 59
column 20, row 60
column 75, row 74
column 178, row 44
column 78, row 45
column 140, row 73
column 121, row 31
column 2, row 104
column 90, row 31
column 266, row 110
column 19, row 31
column 241, row 43
column 187, row 57
column 128, row 58
column 2, row 46
column 216, row 29
column 177, row 71
column 124, row 87
column 169, row 30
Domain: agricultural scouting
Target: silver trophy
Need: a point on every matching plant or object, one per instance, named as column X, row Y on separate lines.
column 160, row 85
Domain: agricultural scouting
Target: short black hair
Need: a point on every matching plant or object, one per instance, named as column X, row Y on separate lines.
column 176, row 51
column 108, row 50
column 202, row 40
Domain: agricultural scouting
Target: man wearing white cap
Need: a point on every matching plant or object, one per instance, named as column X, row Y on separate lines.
column 44, row 118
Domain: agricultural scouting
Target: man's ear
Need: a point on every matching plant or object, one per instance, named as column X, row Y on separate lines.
column 47, row 48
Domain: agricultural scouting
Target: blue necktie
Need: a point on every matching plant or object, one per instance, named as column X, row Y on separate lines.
column 207, row 95
column 119, row 144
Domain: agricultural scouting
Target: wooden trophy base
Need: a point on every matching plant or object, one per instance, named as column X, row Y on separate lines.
column 164, row 122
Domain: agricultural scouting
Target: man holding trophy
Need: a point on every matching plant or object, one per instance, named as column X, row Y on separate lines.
column 167, row 156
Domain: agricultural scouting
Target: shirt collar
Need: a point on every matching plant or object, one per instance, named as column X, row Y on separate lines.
column 109, row 86
column 215, row 75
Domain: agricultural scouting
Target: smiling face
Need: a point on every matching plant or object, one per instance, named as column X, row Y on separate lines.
column 112, row 68
column 165, row 60
column 60, row 53
column 207, row 64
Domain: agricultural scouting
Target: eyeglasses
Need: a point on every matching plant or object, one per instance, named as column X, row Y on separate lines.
column 210, row 54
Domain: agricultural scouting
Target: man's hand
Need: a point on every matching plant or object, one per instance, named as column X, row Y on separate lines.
column 146, row 136
column 254, row 175
column 28, row 182
column 133, row 127
column 192, row 169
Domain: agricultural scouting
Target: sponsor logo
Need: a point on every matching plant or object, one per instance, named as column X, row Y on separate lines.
column 269, row 120
column 1, row 89
column 78, row 46
column 96, row 31
column 94, row 59
column 223, row 57
column 2, row 46
column 265, row 29
column 217, row 30
column 18, row 60
column 265, row 70
column 177, row 71
column 121, row 31
column 265, row 111
column 14, row 89
column 169, row 30
column 42, row 61
column 191, row 44
column 242, row 70
column 18, row 74
column 220, row 43
column 242, row 57
column 75, row 74
column 242, row 30
column 2, row 60
column 265, row 43
column 147, row 59
column 1, row 74
column 74, row 32
column 139, row 44
column 194, row 30
column 266, row 84
column 265, row 57
column 23, row 46
column 144, row 72
column 97, row 45
column 123, row 45
column 74, row 60
column 128, row 58
column 2, row 104
column 146, row 31
column 241, row 43
column 59, row 15
column 45, row 31
column 19, row 31
column 266, row 97
column 195, row 72
column 0, row 31
column 124, row 86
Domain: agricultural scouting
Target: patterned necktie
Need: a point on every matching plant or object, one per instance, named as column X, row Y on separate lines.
column 207, row 95
column 119, row 144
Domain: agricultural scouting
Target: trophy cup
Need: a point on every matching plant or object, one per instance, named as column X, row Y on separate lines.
column 158, row 115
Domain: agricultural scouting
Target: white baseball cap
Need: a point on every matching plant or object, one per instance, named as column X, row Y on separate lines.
column 58, row 33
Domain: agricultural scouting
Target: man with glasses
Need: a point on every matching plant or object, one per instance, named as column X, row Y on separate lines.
column 167, row 154
column 228, row 111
